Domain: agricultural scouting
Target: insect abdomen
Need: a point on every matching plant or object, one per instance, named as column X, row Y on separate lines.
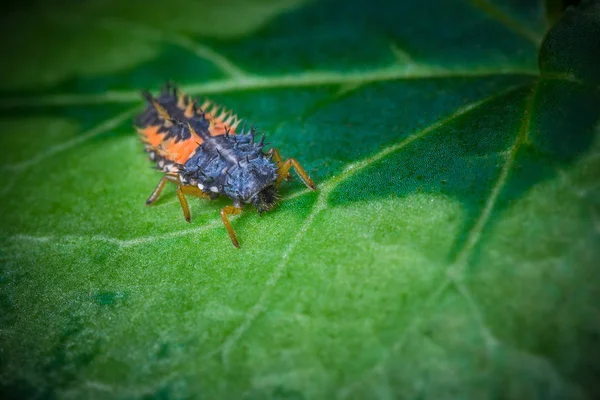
column 164, row 127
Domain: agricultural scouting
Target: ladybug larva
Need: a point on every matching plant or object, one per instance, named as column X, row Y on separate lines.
column 200, row 150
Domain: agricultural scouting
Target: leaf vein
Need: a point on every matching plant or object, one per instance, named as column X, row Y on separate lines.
column 201, row 50
column 85, row 136
column 508, row 21
column 481, row 222
column 255, row 82
column 454, row 271
column 274, row 278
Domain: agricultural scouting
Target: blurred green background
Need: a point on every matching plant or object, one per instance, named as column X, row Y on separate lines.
column 451, row 250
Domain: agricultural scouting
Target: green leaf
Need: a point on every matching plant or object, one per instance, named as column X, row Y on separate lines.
column 95, row 38
column 451, row 250
column 571, row 48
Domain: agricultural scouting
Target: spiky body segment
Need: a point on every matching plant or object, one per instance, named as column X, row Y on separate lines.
column 231, row 165
column 200, row 151
column 170, row 144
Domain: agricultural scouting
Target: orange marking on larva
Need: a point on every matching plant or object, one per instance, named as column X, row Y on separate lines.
column 216, row 129
column 181, row 101
column 206, row 105
column 221, row 123
column 213, row 113
column 189, row 111
column 151, row 135
column 181, row 151
column 162, row 112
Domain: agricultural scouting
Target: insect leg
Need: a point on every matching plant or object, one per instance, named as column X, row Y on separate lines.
column 194, row 191
column 181, row 192
column 283, row 170
column 184, row 204
column 157, row 191
column 230, row 210
column 277, row 158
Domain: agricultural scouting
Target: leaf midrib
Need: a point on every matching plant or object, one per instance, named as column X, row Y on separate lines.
column 257, row 82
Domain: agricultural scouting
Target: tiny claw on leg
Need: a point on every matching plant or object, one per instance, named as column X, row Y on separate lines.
column 230, row 210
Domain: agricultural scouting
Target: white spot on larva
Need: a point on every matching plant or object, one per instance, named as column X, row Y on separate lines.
column 214, row 189
column 200, row 186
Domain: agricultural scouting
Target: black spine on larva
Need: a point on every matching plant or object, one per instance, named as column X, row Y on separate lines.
column 177, row 130
column 233, row 165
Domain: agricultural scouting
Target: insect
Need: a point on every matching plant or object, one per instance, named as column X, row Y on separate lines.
column 200, row 150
